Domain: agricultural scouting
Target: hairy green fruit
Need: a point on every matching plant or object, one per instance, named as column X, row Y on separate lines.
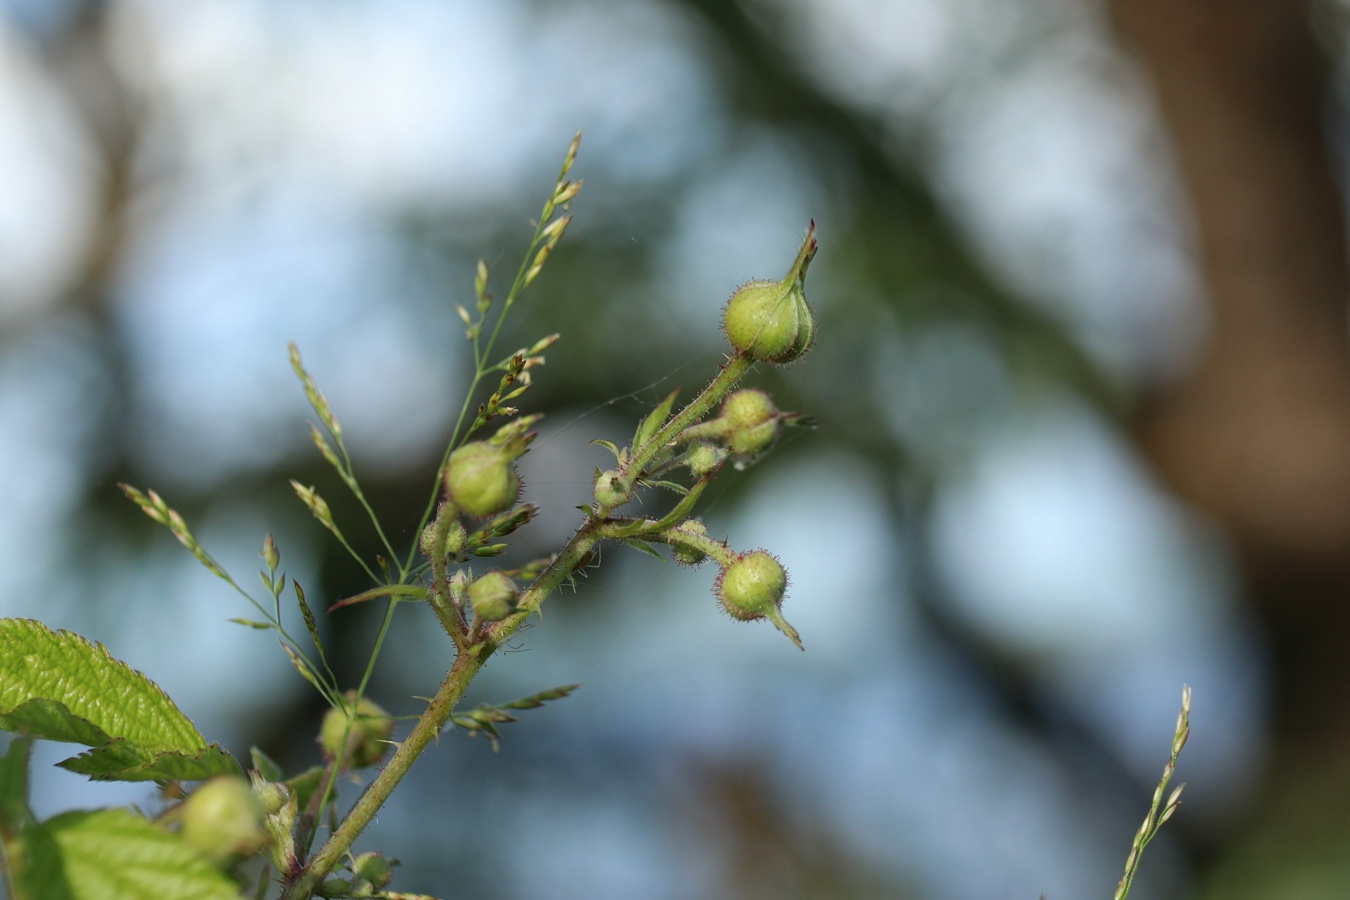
column 367, row 741
column 752, row 587
column 771, row 321
column 223, row 820
column 492, row 596
column 481, row 480
column 610, row 490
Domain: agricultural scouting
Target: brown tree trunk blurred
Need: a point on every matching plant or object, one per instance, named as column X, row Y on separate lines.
column 1258, row 433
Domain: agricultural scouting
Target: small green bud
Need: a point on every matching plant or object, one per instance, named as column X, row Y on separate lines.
column 752, row 588
column 481, row 480
column 223, row 820
column 455, row 536
column 689, row 556
column 771, row 320
column 492, row 596
column 704, row 458
column 270, row 554
column 373, row 869
column 610, row 490
column 367, row 741
column 271, row 795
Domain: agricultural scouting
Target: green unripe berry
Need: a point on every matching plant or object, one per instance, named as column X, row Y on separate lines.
column 610, row 490
column 752, row 587
column 367, row 741
column 771, row 320
column 481, row 480
column 223, row 820
column 492, row 596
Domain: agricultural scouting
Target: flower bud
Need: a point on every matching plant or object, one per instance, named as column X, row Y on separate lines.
column 223, row 820
column 752, row 421
column 703, row 458
column 271, row 795
column 367, row 740
column 770, row 320
column 455, row 536
column 481, row 480
column 492, row 596
column 373, row 869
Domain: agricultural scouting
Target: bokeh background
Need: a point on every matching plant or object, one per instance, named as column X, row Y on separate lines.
column 1082, row 384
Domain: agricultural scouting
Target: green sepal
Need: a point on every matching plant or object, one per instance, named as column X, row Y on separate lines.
column 668, row 485
column 264, row 765
column 305, row 784
column 651, row 425
column 611, row 447
column 640, row 545
column 110, row 854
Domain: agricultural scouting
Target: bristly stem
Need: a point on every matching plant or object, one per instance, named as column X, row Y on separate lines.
column 466, row 666
column 428, row 726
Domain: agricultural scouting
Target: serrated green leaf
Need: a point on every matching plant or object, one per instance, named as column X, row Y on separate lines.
column 123, row 761
column 251, row 623
column 608, row 445
column 110, row 854
column 53, row 721
column 310, row 625
column 81, row 689
column 655, row 419
column 266, row 766
column 14, row 812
